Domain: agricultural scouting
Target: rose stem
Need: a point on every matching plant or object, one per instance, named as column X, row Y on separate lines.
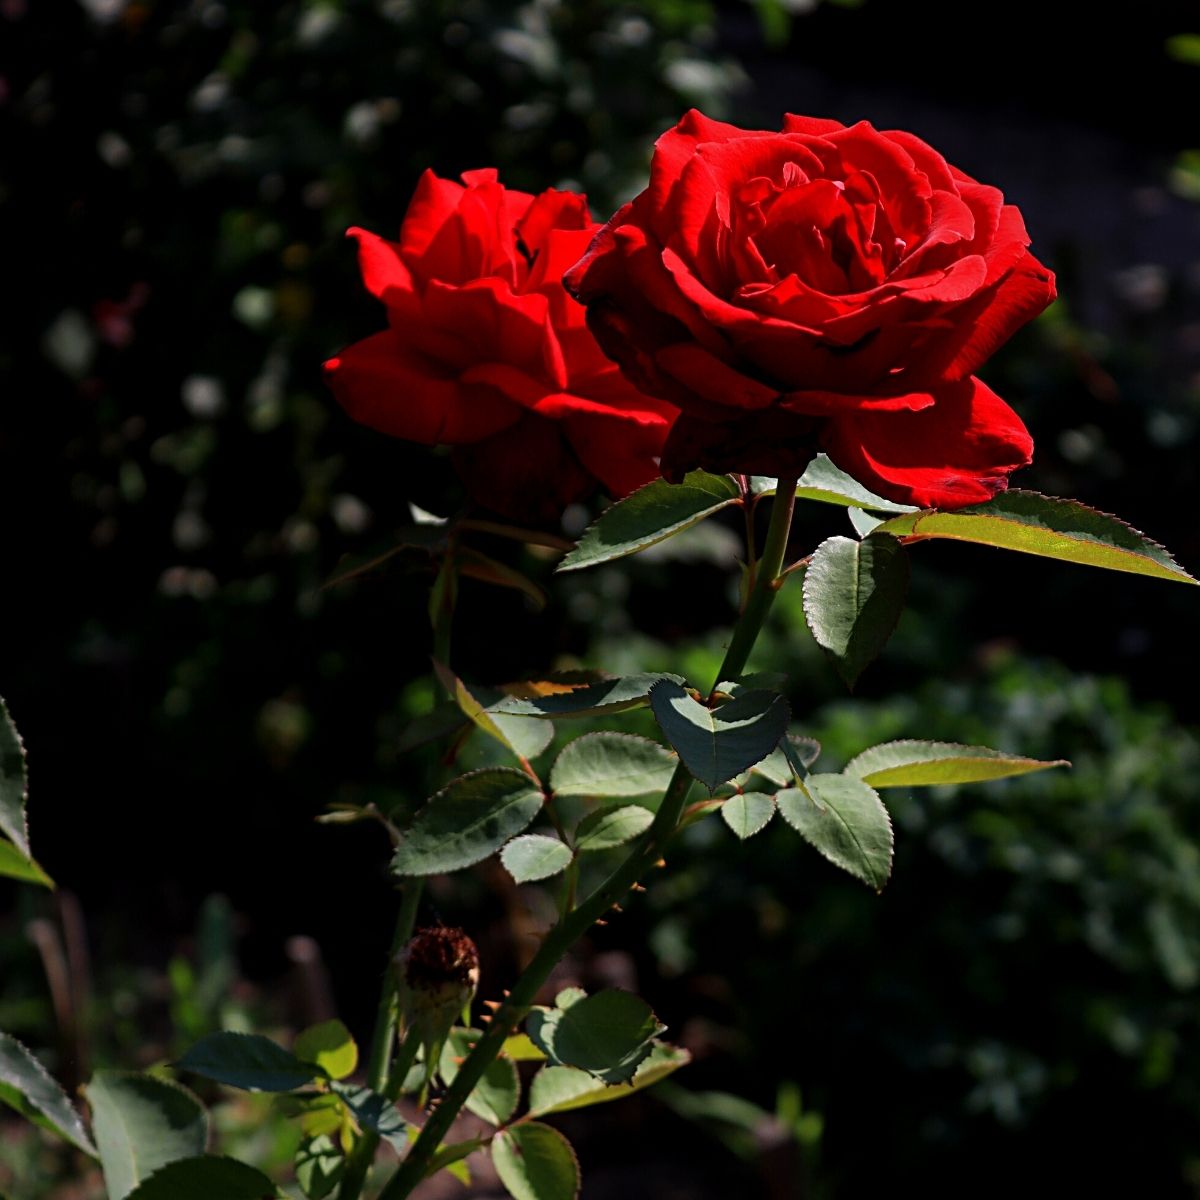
column 384, row 1075
column 573, row 925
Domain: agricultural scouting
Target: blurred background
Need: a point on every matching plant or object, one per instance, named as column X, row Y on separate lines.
column 175, row 179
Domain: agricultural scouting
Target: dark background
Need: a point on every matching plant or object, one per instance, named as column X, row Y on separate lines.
column 174, row 182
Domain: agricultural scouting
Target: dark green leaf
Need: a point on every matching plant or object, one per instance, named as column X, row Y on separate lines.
column 319, row 1166
column 535, row 1162
column 12, row 783
column 374, row 1112
column 495, row 1096
column 551, row 699
column 27, row 1086
column 845, row 820
column 559, row 1089
column 748, row 812
column 249, row 1061
column 917, row 764
column 465, row 822
column 609, row 827
column 608, row 1034
column 535, row 856
column 206, row 1178
column 720, row 743
column 612, row 764
column 853, row 596
column 649, row 515
column 1046, row 526
column 140, row 1124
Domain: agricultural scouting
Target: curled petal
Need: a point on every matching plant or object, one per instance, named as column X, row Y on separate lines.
column 381, row 383
column 959, row 451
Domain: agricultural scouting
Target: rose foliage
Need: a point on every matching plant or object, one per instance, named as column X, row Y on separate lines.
column 822, row 287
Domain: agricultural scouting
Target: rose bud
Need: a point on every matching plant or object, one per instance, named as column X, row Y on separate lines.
column 826, row 287
column 437, row 973
column 485, row 351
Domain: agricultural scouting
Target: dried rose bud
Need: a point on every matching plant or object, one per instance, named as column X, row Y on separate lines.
column 437, row 973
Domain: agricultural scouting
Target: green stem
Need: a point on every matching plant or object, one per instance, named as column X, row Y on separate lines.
column 384, row 1074
column 574, row 924
column 379, row 1063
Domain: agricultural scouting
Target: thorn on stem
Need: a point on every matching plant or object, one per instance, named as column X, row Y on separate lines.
column 636, row 887
column 492, row 1004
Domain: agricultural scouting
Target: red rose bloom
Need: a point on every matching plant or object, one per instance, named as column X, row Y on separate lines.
column 823, row 287
column 486, row 352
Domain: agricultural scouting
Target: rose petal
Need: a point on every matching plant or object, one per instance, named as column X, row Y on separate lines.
column 382, row 267
column 527, row 472
column 381, row 383
column 703, row 373
column 958, row 452
column 768, row 442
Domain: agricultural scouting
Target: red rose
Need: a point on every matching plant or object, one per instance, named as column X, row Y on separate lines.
column 823, row 287
column 486, row 352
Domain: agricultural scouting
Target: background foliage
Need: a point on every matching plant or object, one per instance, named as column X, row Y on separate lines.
column 175, row 181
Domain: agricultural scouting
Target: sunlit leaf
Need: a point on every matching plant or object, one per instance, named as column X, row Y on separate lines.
column 649, row 515
column 611, row 764
column 1047, row 526
column 534, row 856
column 535, row 1162
column 467, row 821
column 141, row 1124
column 560, row 1089
column 29, row 1088
column 853, row 596
column 844, row 819
column 917, row 764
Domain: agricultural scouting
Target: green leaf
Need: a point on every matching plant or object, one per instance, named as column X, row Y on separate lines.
column 853, row 596
column 609, row 827
column 789, row 761
column 495, row 1096
column 535, row 1162
column 525, row 739
column 1185, row 48
column 374, row 1112
column 844, row 819
column 748, row 812
column 608, row 1034
column 611, row 764
column 206, row 1178
column 717, row 744
column 535, row 856
column 465, row 822
column 864, row 522
column 14, row 865
column 140, row 1124
column 560, row 1089
column 551, row 699
column 825, row 482
column 248, row 1061
column 331, row 1046
column 449, row 1158
column 649, row 515
column 28, row 1087
column 520, row 1049
column 319, row 1166
column 1045, row 525
column 12, row 784
column 919, row 764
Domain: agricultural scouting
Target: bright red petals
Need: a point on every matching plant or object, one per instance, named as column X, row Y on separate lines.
column 958, row 451
column 485, row 351
column 824, row 284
